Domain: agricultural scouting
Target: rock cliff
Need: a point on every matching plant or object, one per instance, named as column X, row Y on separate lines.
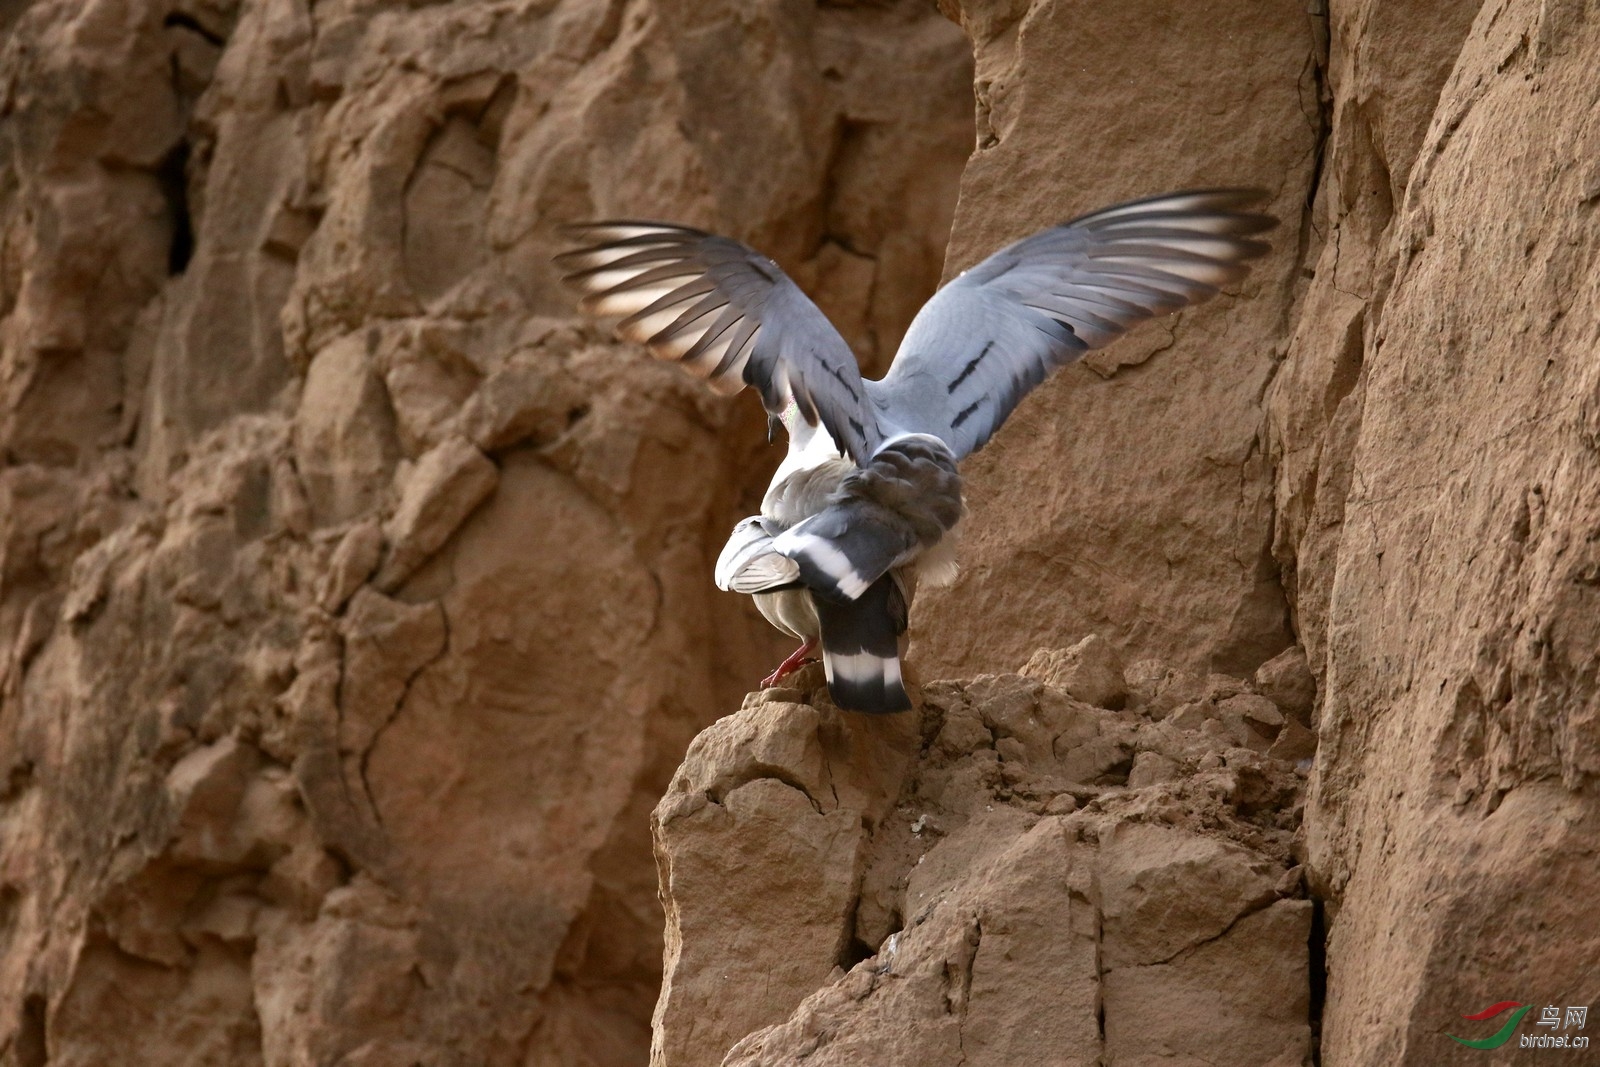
column 355, row 610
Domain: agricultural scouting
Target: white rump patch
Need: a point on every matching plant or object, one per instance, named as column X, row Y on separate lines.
column 926, row 438
column 939, row 566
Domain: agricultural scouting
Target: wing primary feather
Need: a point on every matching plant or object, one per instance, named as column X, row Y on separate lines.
column 638, row 278
column 635, row 323
column 738, row 347
column 1073, row 314
column 729, row 318
column 634, row 261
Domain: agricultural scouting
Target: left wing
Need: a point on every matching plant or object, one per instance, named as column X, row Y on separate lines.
column 729, row 315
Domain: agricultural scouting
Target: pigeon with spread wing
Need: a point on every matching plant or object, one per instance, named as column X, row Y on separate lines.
column 866, row 503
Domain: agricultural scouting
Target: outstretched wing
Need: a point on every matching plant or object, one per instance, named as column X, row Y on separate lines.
column 729, row 315
column 987, row 338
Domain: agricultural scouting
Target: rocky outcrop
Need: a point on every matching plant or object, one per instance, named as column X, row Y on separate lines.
column 1412, row 471
column 1425, row 422
column 1018, row 871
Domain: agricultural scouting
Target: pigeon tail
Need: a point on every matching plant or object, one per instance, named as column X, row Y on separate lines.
column 861, row 648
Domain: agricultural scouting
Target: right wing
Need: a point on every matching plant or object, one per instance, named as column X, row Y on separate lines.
column 988, row 337
column 729, row 315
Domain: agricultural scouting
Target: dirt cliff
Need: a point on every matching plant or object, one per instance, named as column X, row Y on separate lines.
column 355, row 610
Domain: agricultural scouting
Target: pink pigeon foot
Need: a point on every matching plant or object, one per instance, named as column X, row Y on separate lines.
column 799, row 658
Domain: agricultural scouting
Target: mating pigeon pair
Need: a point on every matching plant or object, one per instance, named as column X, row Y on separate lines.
column 866, row 503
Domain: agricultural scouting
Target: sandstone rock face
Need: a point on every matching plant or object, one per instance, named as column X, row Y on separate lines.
column 1130, row 495
column 1447, row 562
column 992, row 885
column 1425, row 422
column 353, row 596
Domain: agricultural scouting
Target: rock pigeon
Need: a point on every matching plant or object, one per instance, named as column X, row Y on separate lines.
column 867, row 502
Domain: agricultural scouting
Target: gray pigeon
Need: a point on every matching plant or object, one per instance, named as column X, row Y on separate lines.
column 867, row 501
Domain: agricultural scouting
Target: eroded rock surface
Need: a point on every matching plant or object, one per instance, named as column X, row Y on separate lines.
column 353, row 598
column 354, row 609
column 1443, row 521
column 1013, row 874
column 1130, row 496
